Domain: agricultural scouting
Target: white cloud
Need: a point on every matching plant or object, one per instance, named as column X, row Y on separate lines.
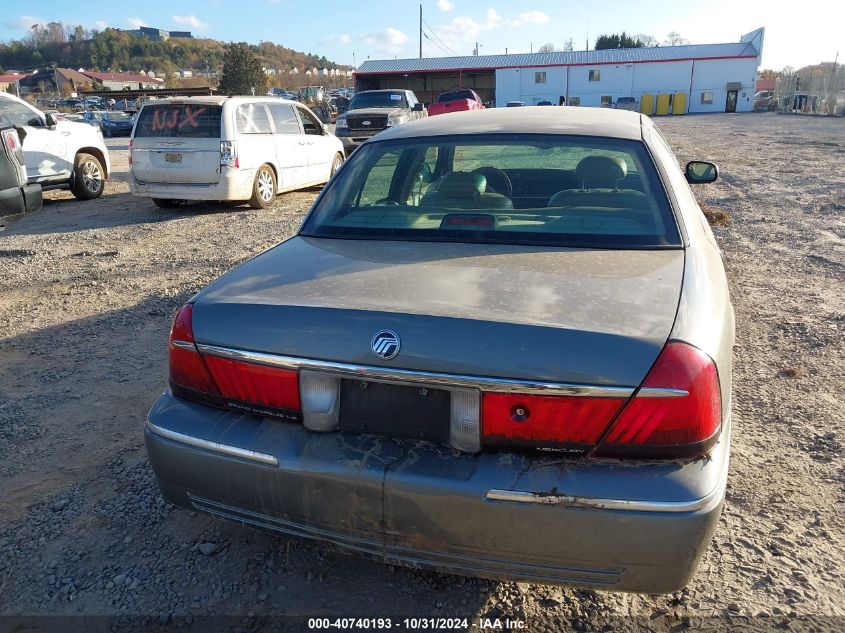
column 445, row 5
column 531, row 17
column 463, row 30
column 340, row 39
column 23, row 23
column 190, row 20
column 136, row 23
column 101, row 25
column 389, row 41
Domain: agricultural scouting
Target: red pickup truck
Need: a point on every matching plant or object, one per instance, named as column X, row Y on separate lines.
column 456, row 101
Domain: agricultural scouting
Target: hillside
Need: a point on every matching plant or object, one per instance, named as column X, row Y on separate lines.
column 117, row 50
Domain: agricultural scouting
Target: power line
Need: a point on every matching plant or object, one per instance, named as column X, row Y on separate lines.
column 435, row 43
column 438, row 38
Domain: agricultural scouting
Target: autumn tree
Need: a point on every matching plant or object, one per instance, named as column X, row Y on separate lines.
column 242, row 73
column 675, row 39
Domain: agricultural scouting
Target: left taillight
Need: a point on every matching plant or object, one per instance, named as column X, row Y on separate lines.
column 225, row 382
column 189, row 375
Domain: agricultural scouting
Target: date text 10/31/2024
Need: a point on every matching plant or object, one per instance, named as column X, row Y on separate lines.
column 435, row 624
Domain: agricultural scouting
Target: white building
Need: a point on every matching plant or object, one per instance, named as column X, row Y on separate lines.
column 664, row 79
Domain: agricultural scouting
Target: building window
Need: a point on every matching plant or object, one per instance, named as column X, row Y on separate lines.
column 539, row 78
column 707, row 97
column 606, row 101
column 574, row 101
column 595, row 75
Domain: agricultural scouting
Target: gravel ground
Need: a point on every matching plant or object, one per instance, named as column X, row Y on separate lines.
column 86, row 294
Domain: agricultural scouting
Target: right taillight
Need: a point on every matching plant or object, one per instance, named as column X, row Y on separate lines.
column 677, row 411
column 130, row 151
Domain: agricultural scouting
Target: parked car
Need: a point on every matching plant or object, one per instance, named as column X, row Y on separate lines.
column 545, row 102
column 228, row 148
column 627, row 103
column 59, row 154
column 16, row 196
column 765, row 101
column 515, row 104
column 499, row 345
column 93, row 117
column 456, row 101
column 116, row 123
column 372, row 111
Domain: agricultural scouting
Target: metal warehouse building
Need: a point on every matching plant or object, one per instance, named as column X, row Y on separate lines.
column 663, row 79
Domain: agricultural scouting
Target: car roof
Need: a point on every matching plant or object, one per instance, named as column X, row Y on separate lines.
column 215, row 100
column 603, row 122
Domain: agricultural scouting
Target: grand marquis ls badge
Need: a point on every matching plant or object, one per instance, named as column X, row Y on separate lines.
column 386, row 344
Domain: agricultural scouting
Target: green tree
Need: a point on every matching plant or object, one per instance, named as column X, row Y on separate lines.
column 242, row 71
column 617, row 41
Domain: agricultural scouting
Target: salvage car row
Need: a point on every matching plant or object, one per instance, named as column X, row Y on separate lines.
column 499, row 345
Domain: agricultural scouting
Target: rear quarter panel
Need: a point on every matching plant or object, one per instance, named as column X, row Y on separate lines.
column 705, row 315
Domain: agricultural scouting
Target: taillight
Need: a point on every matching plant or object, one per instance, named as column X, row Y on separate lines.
column 229, row 154
column 677, row 411
column 258, row 388
column 546, row 421
column 130, row 151
column 228, row 383
column 188, row 374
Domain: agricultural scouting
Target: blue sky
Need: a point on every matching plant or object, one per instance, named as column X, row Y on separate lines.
column 352, row 30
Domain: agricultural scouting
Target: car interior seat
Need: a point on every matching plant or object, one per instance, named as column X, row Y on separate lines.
column 600, row 177
column 465, row 190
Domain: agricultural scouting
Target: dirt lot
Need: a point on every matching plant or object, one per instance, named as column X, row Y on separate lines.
column 86, row 293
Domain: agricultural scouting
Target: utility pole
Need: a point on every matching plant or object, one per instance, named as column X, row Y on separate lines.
column 421, row 32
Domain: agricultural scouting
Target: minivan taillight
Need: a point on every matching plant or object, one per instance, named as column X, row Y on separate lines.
column 130, row 151
column 229, row 154
column 677, row 411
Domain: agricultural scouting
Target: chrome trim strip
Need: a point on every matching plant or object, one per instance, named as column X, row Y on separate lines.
column 184, row 345
column 233, row 451
column 419, row 377
column 661, row 392
column 520, row 496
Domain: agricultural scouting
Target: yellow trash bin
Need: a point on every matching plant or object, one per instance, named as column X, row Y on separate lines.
column 679, row 103
column 647, row 104
column 662, row 104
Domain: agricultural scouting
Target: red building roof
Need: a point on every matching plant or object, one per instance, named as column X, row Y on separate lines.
column 128, row 77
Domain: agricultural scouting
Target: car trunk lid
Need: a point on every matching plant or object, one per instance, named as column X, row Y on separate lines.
column 594, row 317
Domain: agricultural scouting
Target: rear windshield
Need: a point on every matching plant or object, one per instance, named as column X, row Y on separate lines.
column 504, row 188
column 455, row 96
column 179, row 120
column 378, row 100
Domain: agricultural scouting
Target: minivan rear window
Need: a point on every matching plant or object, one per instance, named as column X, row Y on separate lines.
column 179, row 120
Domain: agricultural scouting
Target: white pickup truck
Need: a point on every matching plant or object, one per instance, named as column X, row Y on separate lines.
column 58, row 154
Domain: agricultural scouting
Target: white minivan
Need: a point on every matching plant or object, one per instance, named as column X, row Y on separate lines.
column 228, row 148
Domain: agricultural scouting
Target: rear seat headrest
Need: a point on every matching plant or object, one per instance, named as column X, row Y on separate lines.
column 601, row 171
column 461, row 184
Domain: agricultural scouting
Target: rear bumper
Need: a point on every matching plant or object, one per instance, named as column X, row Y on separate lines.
column 234, row 184
column 604, row 524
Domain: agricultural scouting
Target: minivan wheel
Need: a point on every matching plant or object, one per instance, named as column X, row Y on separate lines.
column 89, row 179
column 264, row 188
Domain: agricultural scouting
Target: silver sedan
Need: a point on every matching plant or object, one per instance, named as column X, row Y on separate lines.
column 500, row 345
